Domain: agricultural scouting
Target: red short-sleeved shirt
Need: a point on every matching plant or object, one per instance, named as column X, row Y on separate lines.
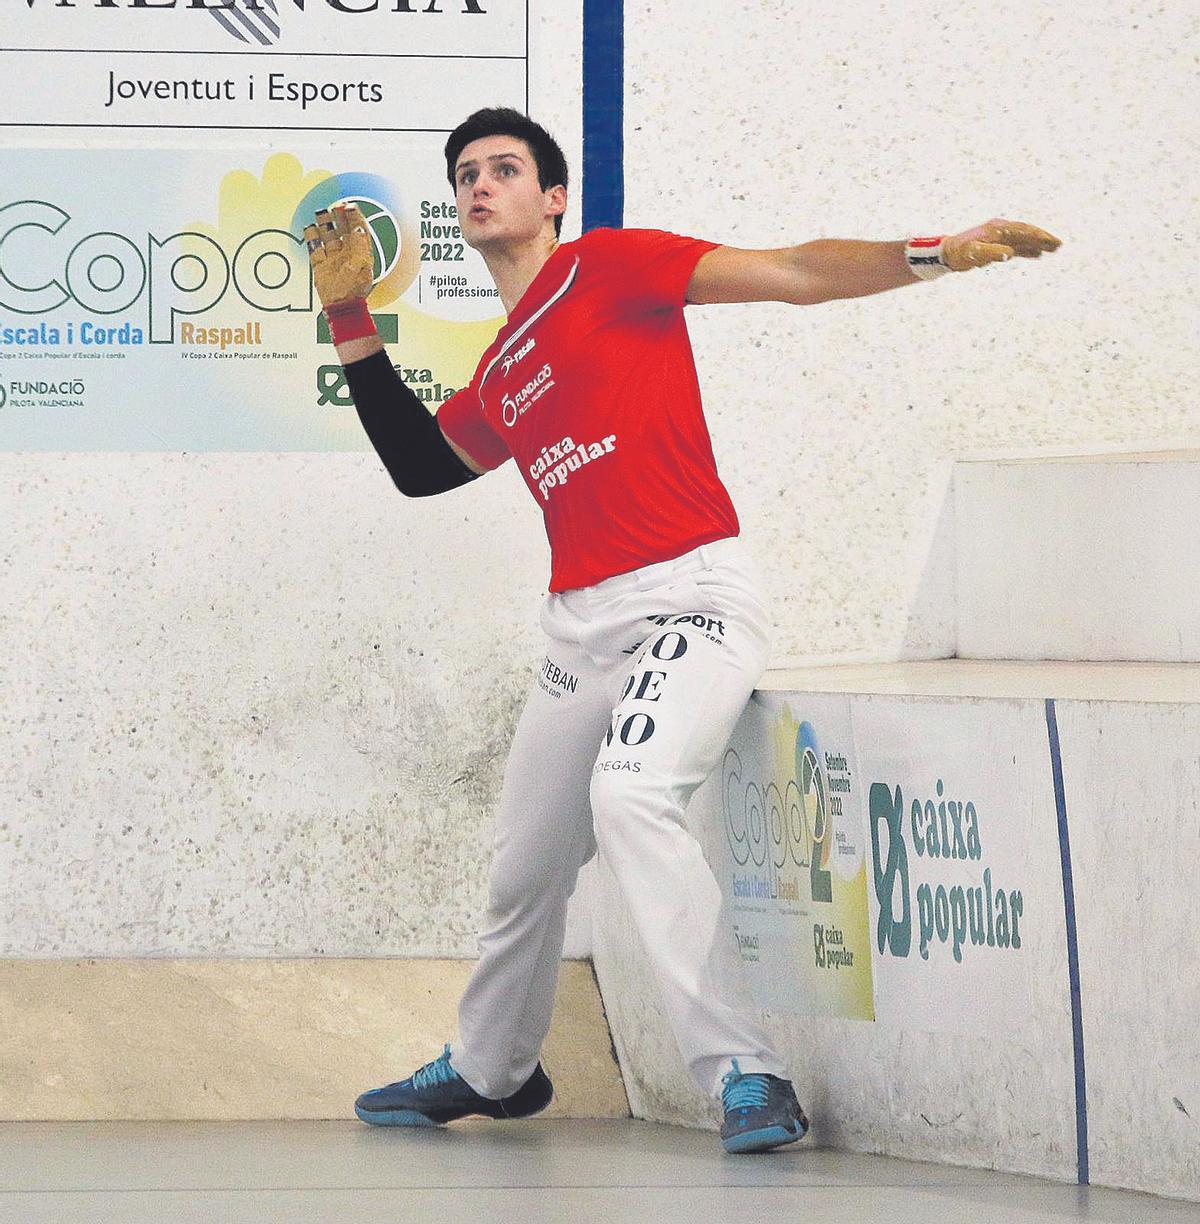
column 591, row 386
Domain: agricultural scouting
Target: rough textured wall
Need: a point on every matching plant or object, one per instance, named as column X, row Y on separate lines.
column 260, row 704
column 255, row 704
column 763, row 125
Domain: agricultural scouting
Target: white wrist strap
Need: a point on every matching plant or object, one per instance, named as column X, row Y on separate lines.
column 924, row 257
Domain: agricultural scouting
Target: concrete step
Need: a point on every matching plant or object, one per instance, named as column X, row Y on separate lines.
column 1093, row 556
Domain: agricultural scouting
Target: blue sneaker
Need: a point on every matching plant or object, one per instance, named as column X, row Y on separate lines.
column 437, row 1094
column 761, row 1112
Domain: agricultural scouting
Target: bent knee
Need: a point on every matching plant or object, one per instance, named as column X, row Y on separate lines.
column 519, row 900
column 621, row 790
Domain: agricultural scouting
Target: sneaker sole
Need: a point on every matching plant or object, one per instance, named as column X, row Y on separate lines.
column 394, row 1117
column 410, row 1117
column 762, row 1140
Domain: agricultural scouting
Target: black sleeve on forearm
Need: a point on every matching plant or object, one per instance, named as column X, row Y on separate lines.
column 404, row 432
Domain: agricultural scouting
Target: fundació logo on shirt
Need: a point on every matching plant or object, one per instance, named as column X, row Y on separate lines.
column 513, row 406
column 556, row 463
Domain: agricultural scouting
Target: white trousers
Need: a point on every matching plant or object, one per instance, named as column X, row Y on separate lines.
column 645, row 676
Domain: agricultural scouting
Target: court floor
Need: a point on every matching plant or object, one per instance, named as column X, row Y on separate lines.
column 520, row 1172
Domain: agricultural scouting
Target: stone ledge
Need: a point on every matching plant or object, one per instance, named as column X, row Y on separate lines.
column 1172, row 683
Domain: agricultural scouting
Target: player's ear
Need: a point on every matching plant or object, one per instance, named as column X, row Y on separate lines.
column 556, row 201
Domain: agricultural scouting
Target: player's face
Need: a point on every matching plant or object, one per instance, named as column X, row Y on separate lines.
column 497, row 192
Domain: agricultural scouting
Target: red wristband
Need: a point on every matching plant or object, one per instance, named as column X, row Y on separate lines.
column 350, row 320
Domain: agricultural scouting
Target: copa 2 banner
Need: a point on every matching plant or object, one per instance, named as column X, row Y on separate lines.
column 782, row 825
column 158, row 299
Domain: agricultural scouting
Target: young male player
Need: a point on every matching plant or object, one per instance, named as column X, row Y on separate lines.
column 656, row 631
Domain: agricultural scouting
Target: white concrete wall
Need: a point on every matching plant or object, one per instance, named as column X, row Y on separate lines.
column 239, row 717
column 1132, row 779
column 771, row 124
column 260, row 704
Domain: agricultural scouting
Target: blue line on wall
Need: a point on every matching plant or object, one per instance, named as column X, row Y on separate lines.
column 1064, row 845
column 603, row 113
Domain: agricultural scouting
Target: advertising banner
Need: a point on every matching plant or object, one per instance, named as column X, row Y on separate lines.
column 890, row 859
column 963, row 859
column 788, row 851
column 155, row 294
column 155, row 299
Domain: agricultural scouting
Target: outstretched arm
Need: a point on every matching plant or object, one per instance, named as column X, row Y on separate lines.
column 832, row 268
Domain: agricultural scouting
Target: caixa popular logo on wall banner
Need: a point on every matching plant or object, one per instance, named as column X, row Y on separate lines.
column 960, row 823
column 936, row 924
column 958, row 916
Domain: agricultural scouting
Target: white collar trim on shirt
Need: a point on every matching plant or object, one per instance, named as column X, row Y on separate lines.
column 533, row 318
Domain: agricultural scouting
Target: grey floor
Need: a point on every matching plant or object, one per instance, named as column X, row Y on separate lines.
column 523, row 1172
